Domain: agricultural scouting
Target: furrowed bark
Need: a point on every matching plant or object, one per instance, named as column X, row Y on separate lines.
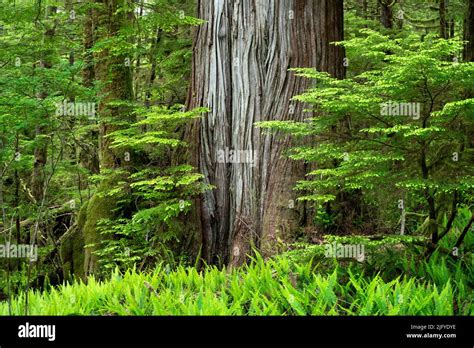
column 240, row 72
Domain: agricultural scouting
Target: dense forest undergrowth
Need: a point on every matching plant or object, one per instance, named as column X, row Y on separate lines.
column 392, row 279
column 165, row 157
column 300, row 282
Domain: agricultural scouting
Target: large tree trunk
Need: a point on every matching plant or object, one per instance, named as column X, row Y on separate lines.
column 116, row 82
column 469, row 33
column 240, row 72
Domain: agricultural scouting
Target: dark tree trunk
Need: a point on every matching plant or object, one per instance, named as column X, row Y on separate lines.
column 443, row 24
column 386, row 13
column 240, row 72
column 88, row 154
column 469, row 33
column 362, row 8
column 452, row 28
column 88, row 73
column 153, row 54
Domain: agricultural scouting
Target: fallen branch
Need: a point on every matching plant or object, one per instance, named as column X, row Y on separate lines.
column 464, row 232
column 431, row 247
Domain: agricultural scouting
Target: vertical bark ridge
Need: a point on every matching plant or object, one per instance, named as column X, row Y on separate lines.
column 241, row 60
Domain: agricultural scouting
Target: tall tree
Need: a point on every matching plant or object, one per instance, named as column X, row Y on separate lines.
column 114, row 74
column 386, row 13
column 88, row 73
column 469, row 33
column 41, row 138
column 240, row 72
column 443, row 26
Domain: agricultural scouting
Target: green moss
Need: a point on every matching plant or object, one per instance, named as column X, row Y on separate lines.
column 72, row 249
column 65, row 251
column 101, row 206
column 77, row 251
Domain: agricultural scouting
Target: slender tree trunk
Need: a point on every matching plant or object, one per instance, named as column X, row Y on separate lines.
column 87, row 154
column 466, row 229
column 469, row 33
column 88, row 73
column 452, row 28
column 386, row 13
column 429, row 196
column 17, row 195
column 41, row 139
column 240, row 72
column 151, row 79
column 443, row 26
column 362, row 8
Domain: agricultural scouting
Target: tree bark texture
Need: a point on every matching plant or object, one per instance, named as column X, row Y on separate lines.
column 242, row 57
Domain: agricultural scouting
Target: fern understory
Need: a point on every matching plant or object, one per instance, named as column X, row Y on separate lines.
column 265, row 287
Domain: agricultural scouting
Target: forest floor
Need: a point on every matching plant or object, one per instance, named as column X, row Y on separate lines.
column 299, row 282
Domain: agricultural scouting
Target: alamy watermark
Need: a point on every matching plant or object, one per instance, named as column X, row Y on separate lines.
column 37, row 331
column 19, row 251
column 76, row 109
column 237, row 156
column 345, row 251
column 392, row 108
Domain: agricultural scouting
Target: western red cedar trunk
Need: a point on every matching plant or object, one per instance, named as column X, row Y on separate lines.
column 240, row 72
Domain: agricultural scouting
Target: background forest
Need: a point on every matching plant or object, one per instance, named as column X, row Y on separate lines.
column 224, row 157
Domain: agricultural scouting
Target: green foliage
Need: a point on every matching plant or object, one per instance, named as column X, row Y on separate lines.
column 398, row 131
column 271, row 287
column 152, row 199
column 158, row 46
